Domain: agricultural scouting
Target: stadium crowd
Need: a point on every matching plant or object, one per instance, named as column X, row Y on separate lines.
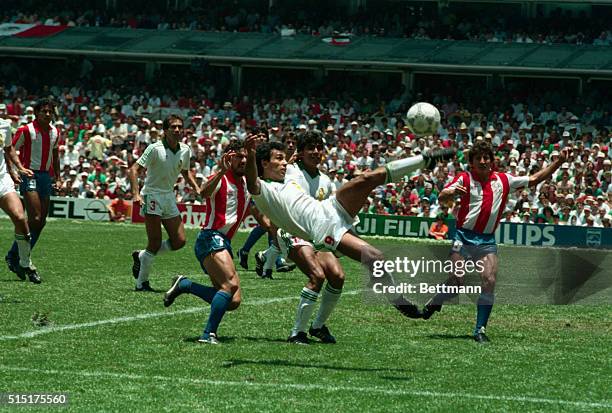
column 104, row 132
column 390, row 20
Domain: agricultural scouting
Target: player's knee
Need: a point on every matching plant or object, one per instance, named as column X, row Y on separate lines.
column 317, row 276
column 235, row 303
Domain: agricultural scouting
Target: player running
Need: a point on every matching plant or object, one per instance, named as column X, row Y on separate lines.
column 327, row 224
column 163, row 161
column 318, row 266
column 482, row 195
column 227, row 201
column 11, row 205
column 38, row 160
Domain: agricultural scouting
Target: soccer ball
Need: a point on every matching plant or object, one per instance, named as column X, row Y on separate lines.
column 423, row 119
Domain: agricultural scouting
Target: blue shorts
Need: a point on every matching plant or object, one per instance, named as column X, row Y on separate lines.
column 472, row 245
column 209, row 241
column 41, row 183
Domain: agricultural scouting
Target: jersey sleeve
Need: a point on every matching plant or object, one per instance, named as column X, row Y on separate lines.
column 458, row 180
column 517, row 182
column 20, row 137
column 147, row 157
column 186, row 161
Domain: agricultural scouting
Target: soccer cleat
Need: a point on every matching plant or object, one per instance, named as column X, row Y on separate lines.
column 30, row 272
column 174, row 291
column 433, row 157
column 13, row 265
column 260, row 260
column 136, row 264
column 209, row 338
column 285, row 267
column 322, row 334
column 480, row 336
column 300, row 338
column 146, row 287
column 429, row 310
column 407, row 308
column 244, row 259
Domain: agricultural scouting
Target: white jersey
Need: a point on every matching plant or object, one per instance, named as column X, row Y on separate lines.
column 319, row 186
column 163, row 166
column 289, row 207
column 5, row 140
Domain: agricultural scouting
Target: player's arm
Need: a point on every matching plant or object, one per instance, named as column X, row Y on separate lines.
column 253, row 184
column 56, row 167
column 448, row 194
column 265, row 223
column 190, row 179
column 547, row 172
column 209, row 187
column 135, row 171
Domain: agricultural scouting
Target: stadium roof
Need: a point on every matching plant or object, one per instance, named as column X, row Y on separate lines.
column 369, row 53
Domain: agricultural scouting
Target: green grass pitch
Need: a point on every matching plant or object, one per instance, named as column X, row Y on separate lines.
column 113, row 349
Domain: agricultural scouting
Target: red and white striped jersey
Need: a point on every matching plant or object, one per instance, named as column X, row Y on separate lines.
column 35, row 146
column 227, row 206
column 483, row 206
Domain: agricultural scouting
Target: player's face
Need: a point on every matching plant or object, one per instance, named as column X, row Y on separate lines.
column 239, row 163
column 175, row 130
column 45, row 114
column 481, row 164
column 276, row 167
column 311, row 156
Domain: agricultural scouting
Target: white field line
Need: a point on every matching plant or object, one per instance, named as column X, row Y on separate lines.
column 145, row 316
column 315, row 387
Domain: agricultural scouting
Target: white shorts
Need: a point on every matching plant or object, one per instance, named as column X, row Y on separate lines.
column 6, row 185
column 287, row 241
column 332, row 224
column 160, row 204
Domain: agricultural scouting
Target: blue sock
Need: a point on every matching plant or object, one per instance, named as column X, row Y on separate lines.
column 485, row 305
column 254, row 236
column 217, row 309
column 204, row 292
column 34, row 238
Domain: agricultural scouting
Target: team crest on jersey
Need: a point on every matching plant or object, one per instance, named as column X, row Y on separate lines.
column 321, row 194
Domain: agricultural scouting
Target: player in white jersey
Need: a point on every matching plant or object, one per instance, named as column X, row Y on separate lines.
column 318, row 266
column 163, row 161
column 11, row 205
column 328, row 224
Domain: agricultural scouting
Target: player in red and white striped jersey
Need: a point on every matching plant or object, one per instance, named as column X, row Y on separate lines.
column 38, row 161
column 482, row 195
column 227, row 201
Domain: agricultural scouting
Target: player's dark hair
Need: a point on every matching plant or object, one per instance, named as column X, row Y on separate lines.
column 170, row 118
column 234, row 146
column 310, row 138
column 42, row 103
column 264, row 153
column 481, row 148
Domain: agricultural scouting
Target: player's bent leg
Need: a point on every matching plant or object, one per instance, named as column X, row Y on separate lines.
column 147, row 256
column 356, row 248
column 487, row 296
column 305, row 257
column 330, row 296
column 353, row 194
column 222, row 272
column 176, row 235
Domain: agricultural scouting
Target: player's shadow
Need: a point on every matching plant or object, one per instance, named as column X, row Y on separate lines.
column 266, row 339
column 450, row 337
column 223, row 340
column 302, row 365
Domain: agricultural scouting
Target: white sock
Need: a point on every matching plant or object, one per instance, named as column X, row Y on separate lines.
column 308, row 299
column 329, row 299
column 271, row 253
column 23, row 244
column 146, row 261
column 396, row 170
column 165, row 247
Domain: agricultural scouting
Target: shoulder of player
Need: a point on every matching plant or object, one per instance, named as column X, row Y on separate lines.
column 184, row 147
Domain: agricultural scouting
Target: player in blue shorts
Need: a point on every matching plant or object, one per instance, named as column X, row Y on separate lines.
column 482, row 194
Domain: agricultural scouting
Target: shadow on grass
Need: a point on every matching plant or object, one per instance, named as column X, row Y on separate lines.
column 222, row 340
column 266, row 339
column 303, row 365
column 451, row 336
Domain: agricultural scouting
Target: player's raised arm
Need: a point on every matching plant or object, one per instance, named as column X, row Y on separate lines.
column 547, row 172
column 253, row 184
column 208, row 187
